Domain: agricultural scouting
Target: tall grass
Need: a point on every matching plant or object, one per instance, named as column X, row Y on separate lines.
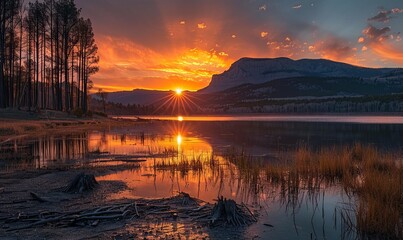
column 373, row 180
column 184, row 163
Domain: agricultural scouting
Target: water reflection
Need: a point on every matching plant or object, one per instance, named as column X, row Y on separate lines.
column 179, row 140
column 43, row 151
column 191, row 157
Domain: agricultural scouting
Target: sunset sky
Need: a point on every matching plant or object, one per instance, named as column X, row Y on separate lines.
column 166, row 44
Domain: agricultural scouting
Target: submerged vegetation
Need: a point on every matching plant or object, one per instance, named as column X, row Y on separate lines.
column 372, row 180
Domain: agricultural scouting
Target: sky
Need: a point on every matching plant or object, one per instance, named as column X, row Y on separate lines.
column 170, row 44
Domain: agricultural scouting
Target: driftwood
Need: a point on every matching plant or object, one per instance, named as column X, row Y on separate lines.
column 181, row 207
column 90, row 217
column 82, row 183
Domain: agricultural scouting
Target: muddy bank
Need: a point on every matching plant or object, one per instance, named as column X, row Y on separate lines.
column 15, row 123
column 34, row 205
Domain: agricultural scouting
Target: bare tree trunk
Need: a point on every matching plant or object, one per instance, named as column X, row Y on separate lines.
column 52, row 57
column 78, row 79
column 37, row 50
column 72, row 81
column 66, row 71
column 29, row 73
column 20, row 64
column 11, row 63
column 2, row 54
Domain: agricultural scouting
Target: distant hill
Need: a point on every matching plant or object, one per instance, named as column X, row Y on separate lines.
column 258, row 71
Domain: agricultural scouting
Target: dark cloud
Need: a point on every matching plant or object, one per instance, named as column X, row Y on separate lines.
column 334, row 48
column 385, row 15
column 376, row 34
column 382, row 16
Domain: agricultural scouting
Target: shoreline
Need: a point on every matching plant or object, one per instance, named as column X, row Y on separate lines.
column 15, row 123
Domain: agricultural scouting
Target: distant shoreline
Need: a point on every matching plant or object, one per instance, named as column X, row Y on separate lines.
column 266, row 114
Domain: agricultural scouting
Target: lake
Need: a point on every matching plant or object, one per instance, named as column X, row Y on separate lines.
column 190, row 156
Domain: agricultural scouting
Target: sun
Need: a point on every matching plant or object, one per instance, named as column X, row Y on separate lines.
column 178, row 91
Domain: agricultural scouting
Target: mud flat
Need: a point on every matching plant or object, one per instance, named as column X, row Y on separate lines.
column 35, row 204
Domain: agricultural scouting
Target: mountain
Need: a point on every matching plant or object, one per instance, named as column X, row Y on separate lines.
column 307, row 88
column 258, row 71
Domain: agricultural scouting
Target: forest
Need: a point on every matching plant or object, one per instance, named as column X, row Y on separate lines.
column 47, row 55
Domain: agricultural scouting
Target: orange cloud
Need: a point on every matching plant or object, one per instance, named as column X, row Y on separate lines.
column 264, row 34
column 335, row 49
column 126, row 65
column 201, row 25
column 389, row 52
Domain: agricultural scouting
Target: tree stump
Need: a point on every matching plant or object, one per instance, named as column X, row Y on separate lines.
column 228, row 212
column 82, row 183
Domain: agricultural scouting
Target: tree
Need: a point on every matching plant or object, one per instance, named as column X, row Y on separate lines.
column 47, row 55
column 88, row 58
column 3, row 20
column 103, row 96
column 8, row 14
column 68, row 15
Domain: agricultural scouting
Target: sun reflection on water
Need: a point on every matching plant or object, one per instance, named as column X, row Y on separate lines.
column 179, row 139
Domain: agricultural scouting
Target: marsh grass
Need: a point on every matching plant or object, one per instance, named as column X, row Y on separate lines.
column 184, row 163
column 372, row 179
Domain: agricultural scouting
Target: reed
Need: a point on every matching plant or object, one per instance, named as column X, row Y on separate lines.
column 183, row 163
column 372, row 178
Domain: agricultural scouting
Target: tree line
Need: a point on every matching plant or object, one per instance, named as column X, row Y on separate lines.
column 100, row 105
column 47, row 55
column 380, row 103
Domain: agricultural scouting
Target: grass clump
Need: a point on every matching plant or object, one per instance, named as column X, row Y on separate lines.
column 184, row 164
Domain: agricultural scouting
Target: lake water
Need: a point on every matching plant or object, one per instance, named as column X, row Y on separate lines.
column 204, row 141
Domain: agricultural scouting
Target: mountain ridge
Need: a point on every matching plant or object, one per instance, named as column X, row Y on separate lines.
column 261, row 70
